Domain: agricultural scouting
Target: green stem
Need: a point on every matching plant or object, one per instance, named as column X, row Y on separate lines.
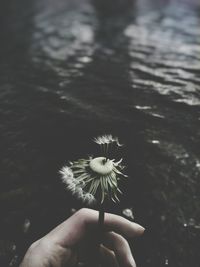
column 95, row 259
column 100, row 229
column 101, row 219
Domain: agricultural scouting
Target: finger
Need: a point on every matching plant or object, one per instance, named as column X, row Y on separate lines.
column 114, row 223
column 121, row 248
column 108, row 257
column 73, row 230
column 122, row 226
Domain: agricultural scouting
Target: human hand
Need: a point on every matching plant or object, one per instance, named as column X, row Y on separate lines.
column 69, row 242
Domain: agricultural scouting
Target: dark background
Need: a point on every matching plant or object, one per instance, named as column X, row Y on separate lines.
column 71, row 70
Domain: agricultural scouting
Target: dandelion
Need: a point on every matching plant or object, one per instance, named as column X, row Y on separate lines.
column 95, row 179
column 97, row 176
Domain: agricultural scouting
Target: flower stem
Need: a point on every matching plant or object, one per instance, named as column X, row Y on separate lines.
column 100, row 229
column 95, row 259
column 101, row 219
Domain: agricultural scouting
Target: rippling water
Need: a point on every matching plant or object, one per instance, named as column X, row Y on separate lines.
column 71, row 70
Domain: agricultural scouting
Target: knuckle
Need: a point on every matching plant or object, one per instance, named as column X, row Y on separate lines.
column 83, row 212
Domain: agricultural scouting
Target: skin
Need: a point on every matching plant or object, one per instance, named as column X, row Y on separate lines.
column 73, row 241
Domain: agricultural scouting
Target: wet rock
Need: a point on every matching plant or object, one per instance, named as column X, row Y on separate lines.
column 7, row 251
column 128, row 212
column 14, row 262
column 26, row 226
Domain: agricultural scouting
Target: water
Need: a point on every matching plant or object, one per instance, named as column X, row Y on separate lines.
column 70, row 71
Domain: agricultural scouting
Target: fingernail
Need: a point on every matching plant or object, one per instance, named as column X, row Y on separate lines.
column 132, row 262
column 142, row 229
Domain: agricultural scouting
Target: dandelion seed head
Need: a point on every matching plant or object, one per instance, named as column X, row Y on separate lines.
column 96, row 179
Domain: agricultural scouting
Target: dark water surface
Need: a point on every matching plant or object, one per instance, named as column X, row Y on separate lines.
column 71, row 70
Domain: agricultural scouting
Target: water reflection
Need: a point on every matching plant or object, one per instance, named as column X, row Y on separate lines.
column 168, row 52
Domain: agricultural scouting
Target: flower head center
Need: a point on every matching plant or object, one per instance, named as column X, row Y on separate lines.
column 101, row 165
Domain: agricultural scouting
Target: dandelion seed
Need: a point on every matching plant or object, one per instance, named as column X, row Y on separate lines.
column 89, row 198
column 67, row 174
column 79, row 193
column 107, row 139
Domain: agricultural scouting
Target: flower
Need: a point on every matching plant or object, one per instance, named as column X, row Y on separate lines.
column 94, row 179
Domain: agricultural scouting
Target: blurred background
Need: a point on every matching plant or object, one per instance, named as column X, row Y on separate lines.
column 74, row 69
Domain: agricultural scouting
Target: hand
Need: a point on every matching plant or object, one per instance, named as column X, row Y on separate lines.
column 68, row 243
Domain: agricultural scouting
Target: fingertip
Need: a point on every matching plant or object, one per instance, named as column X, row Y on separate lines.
column 139, row 229
column 121, row 248
column 134, row 230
